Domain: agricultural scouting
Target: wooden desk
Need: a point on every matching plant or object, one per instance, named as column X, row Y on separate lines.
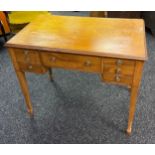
column 113, row 48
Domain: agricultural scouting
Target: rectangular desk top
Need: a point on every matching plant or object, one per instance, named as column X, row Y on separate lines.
column 109, row 37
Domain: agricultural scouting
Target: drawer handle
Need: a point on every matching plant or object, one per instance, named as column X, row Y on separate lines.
column 119, row 62
column 118, row 70
column 88, row 63
column 117, row 78
column 27, row 59
column 25, row 52
column 53, row 59
column 30, row 67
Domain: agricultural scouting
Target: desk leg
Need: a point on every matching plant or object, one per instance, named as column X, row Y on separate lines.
column 50, row 74
column 22, row 80
column 134, row 94
column 25, row 90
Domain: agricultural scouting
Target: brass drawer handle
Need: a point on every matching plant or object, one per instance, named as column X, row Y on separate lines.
column 26, row 52
column 117, row 78
column 88, row 63
column 30, row 67
column 27, row 59
column 119, row 62
column 118, row 70
column 53, row 59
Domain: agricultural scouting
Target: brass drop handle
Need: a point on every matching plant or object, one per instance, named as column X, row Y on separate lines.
column 118, row 70
column 27, row 59
column 30, row 67
column 25, row 52
column 88, row 63
column 119, row 62
column 53, row 59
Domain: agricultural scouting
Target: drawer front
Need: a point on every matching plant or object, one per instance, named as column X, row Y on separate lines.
column 118, row 62
column 29, row 60
column 32, row 68
column 71, row 61
column 27, row 56
column 118, row 79
column 114, row 69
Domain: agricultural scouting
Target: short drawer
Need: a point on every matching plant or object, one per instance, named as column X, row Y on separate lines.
column 32, row 68
column 27, row 56
column 72, row 61
column 118, row 62
column 118, row 79
column 114, row 69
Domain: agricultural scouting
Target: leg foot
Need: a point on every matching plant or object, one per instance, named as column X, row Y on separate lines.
column 30, row 111
column 128, row 131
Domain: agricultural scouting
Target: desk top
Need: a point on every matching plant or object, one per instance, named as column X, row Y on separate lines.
column 119, row 38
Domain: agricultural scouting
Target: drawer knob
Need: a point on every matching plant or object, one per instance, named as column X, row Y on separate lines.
column 117, row 78
column 30, row 66
column 119, row 62
column 118, row 70
column 53, row 59
column 27, row 59
column 87, row 63
column 25, row 52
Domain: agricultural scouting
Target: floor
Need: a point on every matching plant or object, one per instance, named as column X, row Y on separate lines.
column 76, row 108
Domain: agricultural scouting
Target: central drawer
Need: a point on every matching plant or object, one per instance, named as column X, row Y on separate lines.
column 72, row 61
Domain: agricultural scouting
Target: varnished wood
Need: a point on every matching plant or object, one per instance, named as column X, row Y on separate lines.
column 29, row 60
column 32, row 68
column 117, row 79
column 3, row 18
column 113, row 61
column 125, row 70
column 72, row 61
column 118, row 71
column 22, row 80
column 27, row 56
column 113, row 48
column 134, row 93
column 121, row 66
column 119, row 38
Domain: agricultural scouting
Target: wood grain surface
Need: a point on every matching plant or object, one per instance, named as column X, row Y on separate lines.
column 119, row 38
